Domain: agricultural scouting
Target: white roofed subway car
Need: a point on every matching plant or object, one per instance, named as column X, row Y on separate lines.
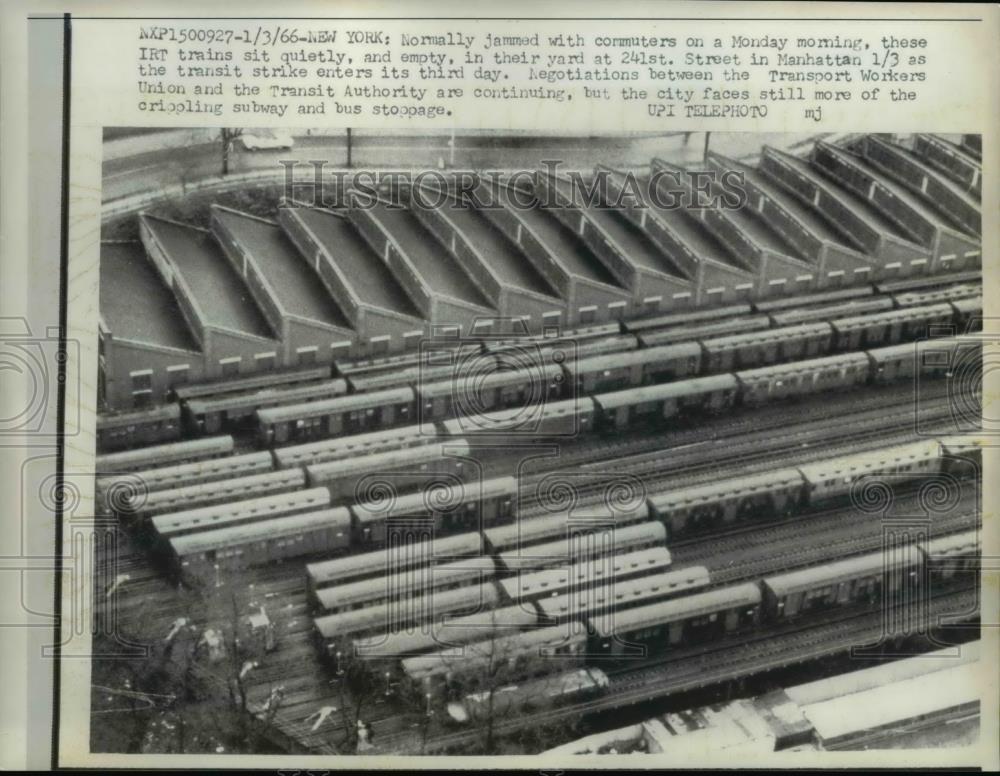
column 420, row 573
column 397, row 586
column 194, row 472
column 335, row 633
column 341, row 448
column 576, row 545
column 405, row 469
column 185, row 497
column 201, row 556
column 164, row 455
column 251, row 383
column 445, row 507
column 398, row 558
column 778, row 493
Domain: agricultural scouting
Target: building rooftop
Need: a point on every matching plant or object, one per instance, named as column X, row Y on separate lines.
column 883, row 674
column 898, row 191
column 572, row 253
column 694, row 234
column 576, row 257
column 127, row 274
column 222, row 297
column 437, row 268
column 955, row 190
column 851, row 201
column 896, row 704
column 296, row 286
column 364, row 272
column 753, row 227
column 504, row 257
column 637, row 246
column 809, row 217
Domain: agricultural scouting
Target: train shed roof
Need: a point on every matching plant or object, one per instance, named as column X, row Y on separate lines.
column 222, row 297
column 573, row 256
column 507, row 262
column 294, row 284
column 360, row 269
column 135, row 302
column 440, row 273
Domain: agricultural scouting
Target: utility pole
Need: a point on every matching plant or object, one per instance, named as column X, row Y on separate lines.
column 348, row 147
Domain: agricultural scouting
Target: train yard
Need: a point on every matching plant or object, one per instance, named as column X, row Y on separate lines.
column 453, row 548
column 717, row 452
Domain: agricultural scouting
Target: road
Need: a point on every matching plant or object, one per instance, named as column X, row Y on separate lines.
column 161, row 167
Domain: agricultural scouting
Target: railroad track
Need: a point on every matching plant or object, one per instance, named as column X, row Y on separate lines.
column 595, row 454
column 282, row 586
column 772, row 554
column 725, row 556
column 875, row 424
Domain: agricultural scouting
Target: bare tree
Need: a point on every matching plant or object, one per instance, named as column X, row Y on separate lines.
column 359, row 685
column 227, row 138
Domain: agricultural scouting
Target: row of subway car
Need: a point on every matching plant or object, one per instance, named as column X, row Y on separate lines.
column 236, row 530
column 377, row 393
column 354, row 596
column 607, row 409
column 155, row 484
column 610, row 621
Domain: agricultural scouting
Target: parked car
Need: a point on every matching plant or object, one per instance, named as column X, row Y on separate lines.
column 266, row 140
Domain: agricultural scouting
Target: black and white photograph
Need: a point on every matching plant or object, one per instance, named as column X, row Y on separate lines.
column 417, row 442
